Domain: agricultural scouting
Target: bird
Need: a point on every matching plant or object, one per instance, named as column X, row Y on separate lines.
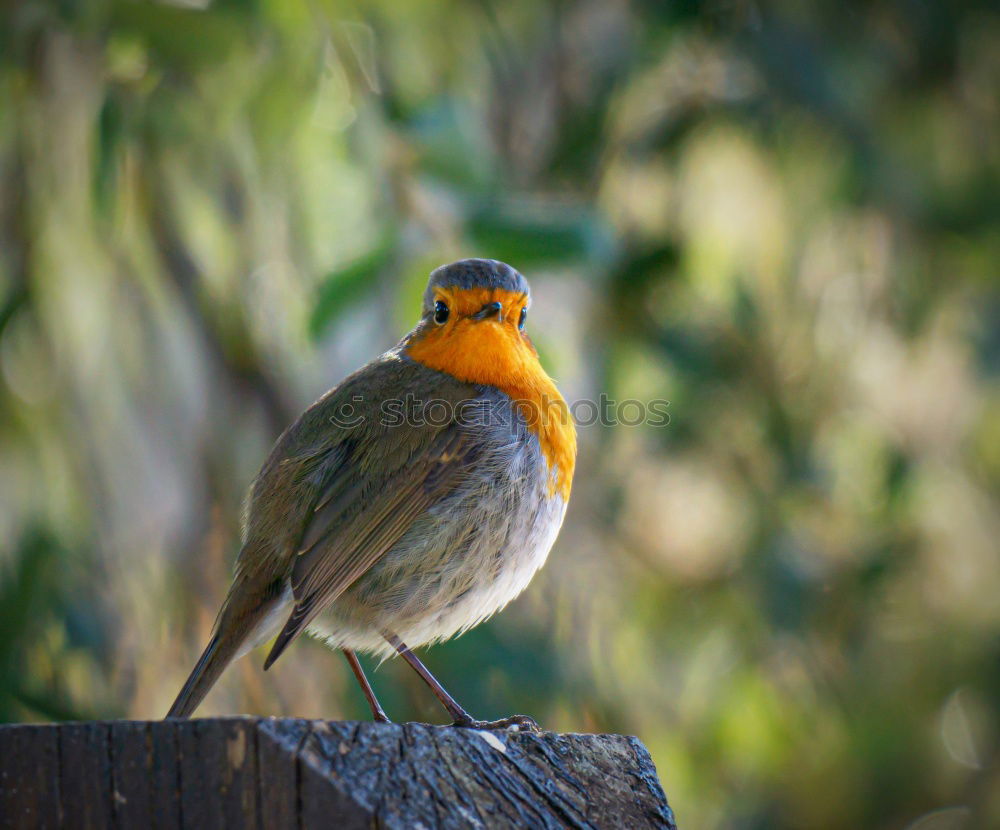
column 410, row 502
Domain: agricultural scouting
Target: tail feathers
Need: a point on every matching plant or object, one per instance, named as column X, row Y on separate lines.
column 213, row 661
column 250, row 616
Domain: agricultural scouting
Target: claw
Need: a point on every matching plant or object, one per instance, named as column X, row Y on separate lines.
column 519, row 723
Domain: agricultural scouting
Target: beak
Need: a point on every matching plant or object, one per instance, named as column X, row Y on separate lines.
column 488, row 311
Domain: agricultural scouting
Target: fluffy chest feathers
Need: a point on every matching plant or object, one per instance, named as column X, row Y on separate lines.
column 467, row 557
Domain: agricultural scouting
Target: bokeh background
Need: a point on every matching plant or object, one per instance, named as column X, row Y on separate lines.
column 781, row 217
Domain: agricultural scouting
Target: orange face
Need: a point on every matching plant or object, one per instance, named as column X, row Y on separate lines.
column 476, row 341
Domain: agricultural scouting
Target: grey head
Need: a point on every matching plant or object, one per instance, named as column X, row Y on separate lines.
column 475, row 273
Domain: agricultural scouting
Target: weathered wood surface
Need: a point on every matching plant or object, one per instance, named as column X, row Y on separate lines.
column 276, row 773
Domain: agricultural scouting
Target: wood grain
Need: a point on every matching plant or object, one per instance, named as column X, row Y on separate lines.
column 276, row 773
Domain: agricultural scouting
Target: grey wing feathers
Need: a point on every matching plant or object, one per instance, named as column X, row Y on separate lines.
column 343, row 538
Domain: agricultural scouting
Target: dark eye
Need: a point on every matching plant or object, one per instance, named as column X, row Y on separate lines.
column 440, row 313
column 522, row 318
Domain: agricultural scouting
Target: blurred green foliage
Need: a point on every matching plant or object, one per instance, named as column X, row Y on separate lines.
column 781, row 217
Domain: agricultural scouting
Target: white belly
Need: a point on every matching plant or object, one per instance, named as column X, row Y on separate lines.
column 484, row 590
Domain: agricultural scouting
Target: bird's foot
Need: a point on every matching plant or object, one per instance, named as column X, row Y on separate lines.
column 519, row 723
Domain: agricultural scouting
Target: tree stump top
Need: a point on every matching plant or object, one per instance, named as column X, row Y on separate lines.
column 248, row 772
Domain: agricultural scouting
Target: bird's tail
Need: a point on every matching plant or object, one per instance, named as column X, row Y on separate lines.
column 249, row 616
column 218, row 654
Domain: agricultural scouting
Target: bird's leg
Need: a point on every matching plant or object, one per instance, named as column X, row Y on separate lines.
column 449, row 703
column 459, row 715
column 378, row 713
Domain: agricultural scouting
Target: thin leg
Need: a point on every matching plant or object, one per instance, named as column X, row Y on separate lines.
column 459, row 715
column 378, row 713
column 449, row 703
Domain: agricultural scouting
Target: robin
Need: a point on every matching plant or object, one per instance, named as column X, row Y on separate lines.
column 410, row 502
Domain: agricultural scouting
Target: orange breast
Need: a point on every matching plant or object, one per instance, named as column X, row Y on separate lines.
column 495, row 353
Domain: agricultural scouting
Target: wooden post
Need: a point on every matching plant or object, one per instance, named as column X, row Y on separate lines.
column 271, row 773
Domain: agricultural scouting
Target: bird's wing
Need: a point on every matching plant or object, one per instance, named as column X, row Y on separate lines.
column 382, row 479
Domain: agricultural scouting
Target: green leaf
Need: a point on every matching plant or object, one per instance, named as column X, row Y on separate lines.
column 532, row 234
column 343, row 287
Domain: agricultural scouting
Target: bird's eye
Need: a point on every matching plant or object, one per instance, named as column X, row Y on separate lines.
column 522, row 318
column 440, row 313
